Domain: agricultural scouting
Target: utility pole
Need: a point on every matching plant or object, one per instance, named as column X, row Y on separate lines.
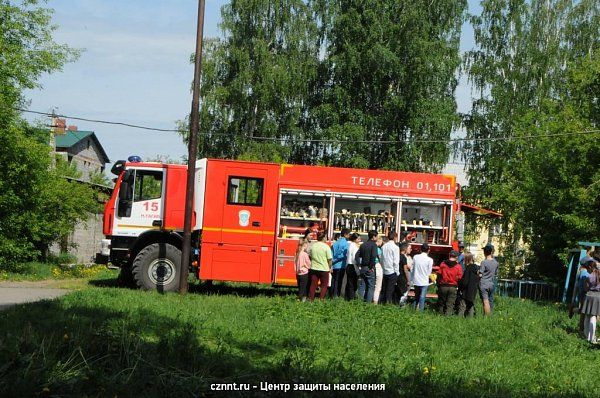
column 53, row 123
column 192, row 153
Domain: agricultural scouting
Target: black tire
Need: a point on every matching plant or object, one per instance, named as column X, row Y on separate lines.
column 125, row 278
column 156, row 267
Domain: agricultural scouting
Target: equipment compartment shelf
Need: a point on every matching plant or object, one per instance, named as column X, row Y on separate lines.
column 300, row 218
column 405, row 227
column 337, row 231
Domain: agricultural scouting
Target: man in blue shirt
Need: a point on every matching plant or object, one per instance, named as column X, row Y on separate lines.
column 340, row 254
column 461, row 256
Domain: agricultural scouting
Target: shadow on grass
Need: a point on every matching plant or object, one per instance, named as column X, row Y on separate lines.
column 241, row 289
column 216, row 288
column 113, row 282
column 79, row 348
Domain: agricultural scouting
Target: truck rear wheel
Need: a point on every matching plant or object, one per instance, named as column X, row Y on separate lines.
column 156, row 267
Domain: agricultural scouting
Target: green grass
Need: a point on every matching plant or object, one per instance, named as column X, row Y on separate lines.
column 27, row 272
column 106, row 341
column 36, row 271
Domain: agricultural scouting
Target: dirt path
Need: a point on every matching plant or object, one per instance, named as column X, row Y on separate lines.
column 12, row 293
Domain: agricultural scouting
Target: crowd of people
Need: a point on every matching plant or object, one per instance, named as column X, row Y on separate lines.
column 587, row 294
column 383, row 270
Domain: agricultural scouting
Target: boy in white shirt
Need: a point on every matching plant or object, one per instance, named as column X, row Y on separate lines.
column 391, row 268
column 422, row 267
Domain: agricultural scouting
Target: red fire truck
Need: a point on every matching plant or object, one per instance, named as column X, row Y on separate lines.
column 249, row 216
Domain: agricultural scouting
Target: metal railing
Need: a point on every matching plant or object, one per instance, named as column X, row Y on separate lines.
column 533, row 290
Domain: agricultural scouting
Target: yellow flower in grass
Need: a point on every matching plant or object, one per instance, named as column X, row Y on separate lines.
column 426, row 370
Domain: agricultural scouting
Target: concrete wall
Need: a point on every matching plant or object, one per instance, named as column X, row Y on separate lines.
column 84, row 241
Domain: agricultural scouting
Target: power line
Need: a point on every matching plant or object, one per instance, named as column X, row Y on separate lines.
column 135, row 126
column 324, row 141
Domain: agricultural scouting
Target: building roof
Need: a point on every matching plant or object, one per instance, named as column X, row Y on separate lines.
column 71, row 138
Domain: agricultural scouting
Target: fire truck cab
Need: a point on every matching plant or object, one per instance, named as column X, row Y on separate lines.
column 248, row 216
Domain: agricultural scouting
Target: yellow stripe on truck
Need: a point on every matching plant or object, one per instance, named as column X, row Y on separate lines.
column 285, row 280
column 241, row 231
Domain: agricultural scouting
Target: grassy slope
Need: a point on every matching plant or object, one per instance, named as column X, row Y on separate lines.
column 108, row 341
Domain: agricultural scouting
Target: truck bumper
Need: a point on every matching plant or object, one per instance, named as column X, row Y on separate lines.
column 103, row 256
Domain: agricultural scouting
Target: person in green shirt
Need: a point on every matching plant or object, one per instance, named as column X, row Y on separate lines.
column 320, row 259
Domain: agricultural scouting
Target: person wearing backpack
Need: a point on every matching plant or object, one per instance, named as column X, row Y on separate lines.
column 591, row 304
column 367, row 253
column 468, row 286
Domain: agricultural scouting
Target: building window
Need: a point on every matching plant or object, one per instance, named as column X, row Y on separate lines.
column 245, row 191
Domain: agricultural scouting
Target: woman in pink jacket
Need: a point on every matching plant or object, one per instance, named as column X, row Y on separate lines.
column 302, row 261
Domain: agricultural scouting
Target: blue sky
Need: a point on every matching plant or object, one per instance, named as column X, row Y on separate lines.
column 135, row 69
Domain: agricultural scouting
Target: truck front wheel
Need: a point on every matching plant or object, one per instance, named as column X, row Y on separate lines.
column 156, row 267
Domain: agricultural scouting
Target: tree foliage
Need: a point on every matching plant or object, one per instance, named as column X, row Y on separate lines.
column 37, row 205
column 534, row 70
column 26, row 51
column 391, row 75
column 337, row 73
column 256, row 80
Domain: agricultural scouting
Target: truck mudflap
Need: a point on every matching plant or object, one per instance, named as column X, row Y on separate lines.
column 101, row 259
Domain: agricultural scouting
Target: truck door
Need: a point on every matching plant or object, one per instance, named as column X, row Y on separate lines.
column 243, row 213
column 140, row 202
column 245, row 250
